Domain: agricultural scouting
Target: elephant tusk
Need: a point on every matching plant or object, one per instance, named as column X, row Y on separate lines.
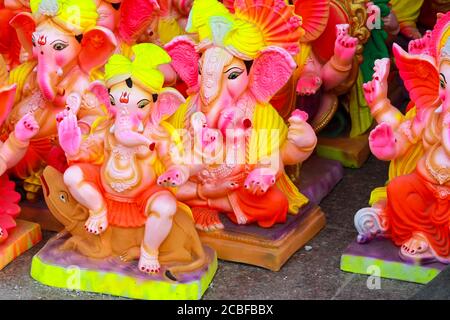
column 141, row 127
column 112, row 129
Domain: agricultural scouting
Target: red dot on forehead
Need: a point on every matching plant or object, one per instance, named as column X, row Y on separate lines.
column 247, row 123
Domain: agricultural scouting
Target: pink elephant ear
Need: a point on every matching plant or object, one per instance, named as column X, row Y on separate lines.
column 270, row 72
column 135, row 17
column 168, row 102
column 99, row 89
column 7, row 95
column 184, row 60
column 97, row 46
column 25, row 26
column 420, row 76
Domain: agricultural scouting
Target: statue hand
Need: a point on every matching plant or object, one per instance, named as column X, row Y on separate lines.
column 26, row 128
column 69, row 135
column 73, row 103
column 382, row 142
column 174, row 177
column 300, row 132
column 345, row 46
column 421, row 45
column 308, row 84
column 376, row 90
column 391, row 23
column 259, row 181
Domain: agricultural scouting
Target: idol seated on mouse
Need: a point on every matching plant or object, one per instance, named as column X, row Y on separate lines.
column 109, row 199
column 15, row 236
column 414, row 211
column 231, row 74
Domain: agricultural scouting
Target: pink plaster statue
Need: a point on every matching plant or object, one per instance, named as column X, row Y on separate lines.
column 415, row 213
column 324, row 64
column 114, row 171
column 231, row 75
column 11, row 152
column 65, row 49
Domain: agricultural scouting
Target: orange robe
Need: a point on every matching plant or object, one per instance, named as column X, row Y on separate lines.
column 256, row 207
column 416, row 205
column 122, row 211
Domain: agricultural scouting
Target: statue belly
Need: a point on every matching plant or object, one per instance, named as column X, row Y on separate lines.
column 145, row 174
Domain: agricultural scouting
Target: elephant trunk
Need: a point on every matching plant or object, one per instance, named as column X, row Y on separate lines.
column 212, row 70
column 124, row 133
column 47, row 81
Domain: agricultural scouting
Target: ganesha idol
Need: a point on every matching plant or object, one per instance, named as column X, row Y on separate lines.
column 109, row 200
column 413, row 211
column 329, row 58
column 239, row 143
column 66, row 44
column 15, row 237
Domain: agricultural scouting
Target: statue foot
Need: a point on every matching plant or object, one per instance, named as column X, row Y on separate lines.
column 131, row 254
column 369, row 224
column 206, row 219
column 148, row 262
column 418, row 250
column 97, row 222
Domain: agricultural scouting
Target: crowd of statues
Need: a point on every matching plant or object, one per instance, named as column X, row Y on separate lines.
column 142, row 121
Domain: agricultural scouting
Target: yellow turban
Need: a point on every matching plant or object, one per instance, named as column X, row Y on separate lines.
column 253, row 26
column 143, row 70
column 75, row 16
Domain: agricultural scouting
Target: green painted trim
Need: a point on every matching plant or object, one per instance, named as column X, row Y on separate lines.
column 118, row 284
column 389, row 269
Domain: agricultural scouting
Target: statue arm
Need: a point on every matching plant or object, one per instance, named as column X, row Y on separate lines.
column 91, row 150
column 301, row 139
column 383, row 111
column 11, row 152
column 334, row 73
column 338, row 68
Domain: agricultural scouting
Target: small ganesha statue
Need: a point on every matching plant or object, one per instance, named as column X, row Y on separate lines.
column 242, row 60
column 414, row 210
column 11, row 151
column 113, row 171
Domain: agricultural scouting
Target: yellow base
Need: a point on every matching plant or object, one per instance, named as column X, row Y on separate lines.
column 70, row 270
column 22, row 238
column 351, row 152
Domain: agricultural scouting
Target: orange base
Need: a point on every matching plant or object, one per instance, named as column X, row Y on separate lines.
column 255, row 249
column 21, row 238
column 39, row 213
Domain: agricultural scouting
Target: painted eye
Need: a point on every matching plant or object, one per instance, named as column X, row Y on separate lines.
column 33, row 41
column 60, row 46
column 112, row 100
column 63, row 196
column 234, row 75
column 442, row 84
column 143, row 103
